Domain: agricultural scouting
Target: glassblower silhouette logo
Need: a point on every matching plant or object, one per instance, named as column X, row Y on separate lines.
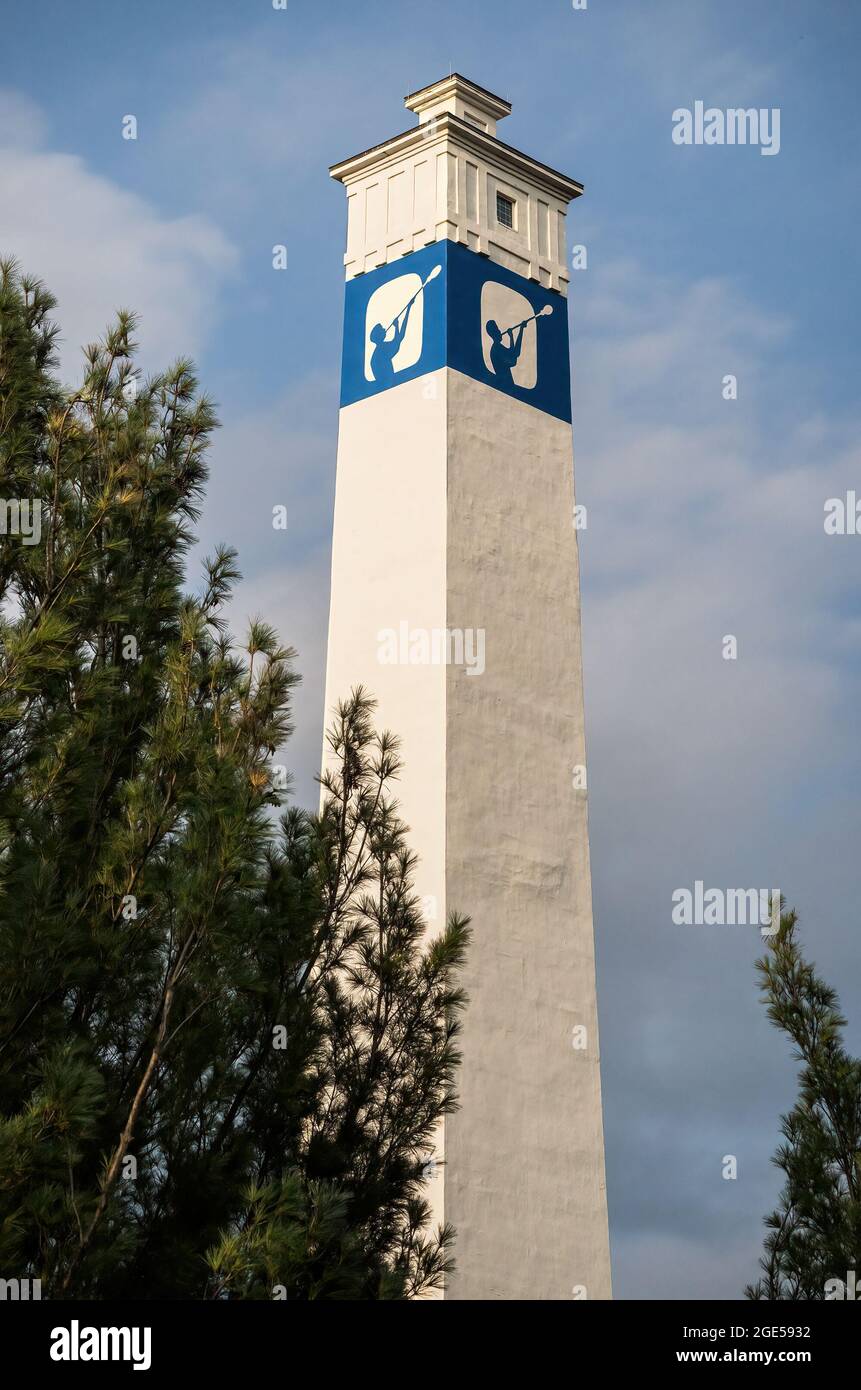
column 511, row 353
column 391, row 347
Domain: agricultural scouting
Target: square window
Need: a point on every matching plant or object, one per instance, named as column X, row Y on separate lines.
column 504, row 210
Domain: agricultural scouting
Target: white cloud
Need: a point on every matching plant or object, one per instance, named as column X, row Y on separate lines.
column 685, row 53
column 22, row 122
column 706, row 518
column 100, row 248
column 263, row 117
column 692, row 500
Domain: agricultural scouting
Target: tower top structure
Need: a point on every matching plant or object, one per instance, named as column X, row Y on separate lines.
column 463, row 618
column 465, row 99
column 451, row 178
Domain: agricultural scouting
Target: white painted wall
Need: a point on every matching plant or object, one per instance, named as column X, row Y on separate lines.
column 453, row 509
column 389, row 564
column 525, row 1184
column 435, row 185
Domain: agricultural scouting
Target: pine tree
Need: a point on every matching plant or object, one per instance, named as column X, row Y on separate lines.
column 815, row 1233
column 225, row 1045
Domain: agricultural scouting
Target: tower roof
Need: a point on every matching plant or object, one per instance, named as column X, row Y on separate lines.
column 456, row 93
column 460, row 108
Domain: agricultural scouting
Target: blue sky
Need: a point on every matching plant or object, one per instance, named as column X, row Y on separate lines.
column 705, row 516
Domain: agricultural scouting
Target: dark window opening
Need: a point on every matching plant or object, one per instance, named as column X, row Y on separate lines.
column 504, row 210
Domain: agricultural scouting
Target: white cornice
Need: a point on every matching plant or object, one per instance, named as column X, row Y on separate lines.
column 456, row 85
column 447, row 125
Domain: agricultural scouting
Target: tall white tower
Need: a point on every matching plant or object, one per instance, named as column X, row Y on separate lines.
column 455, row 600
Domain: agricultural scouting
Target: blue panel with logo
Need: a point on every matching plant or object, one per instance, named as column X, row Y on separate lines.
column 446, row 305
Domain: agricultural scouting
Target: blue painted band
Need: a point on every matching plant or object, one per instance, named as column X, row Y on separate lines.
column 448, row 306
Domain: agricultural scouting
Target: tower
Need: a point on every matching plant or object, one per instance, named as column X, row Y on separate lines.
column 455, row 600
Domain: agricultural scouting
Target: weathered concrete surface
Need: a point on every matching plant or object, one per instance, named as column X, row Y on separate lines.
column 453, row 509
column 524, row 1176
